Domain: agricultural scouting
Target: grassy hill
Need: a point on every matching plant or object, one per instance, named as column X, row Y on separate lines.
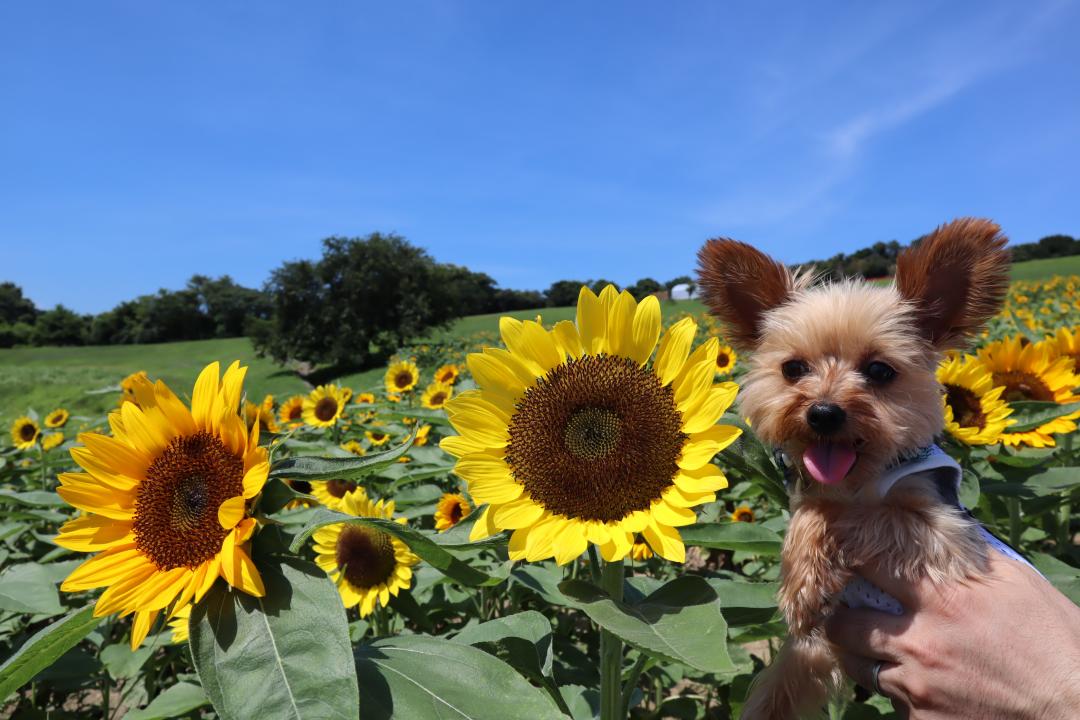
column 50, row 377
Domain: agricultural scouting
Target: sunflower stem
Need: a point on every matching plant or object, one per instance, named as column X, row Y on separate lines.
column 594, row 564
column 611, row 581
column 631, row 683
column 44, row 468
column 1014, row 522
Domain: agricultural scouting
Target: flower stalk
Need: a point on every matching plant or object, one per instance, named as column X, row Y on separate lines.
column 611, row 581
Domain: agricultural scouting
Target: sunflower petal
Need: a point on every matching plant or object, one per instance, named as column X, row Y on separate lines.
column 674, row 349
column 566, row 336
column 701, row 447
column 231, row 511
column 91, row 533
column 620, row 330
column 646, row 330
column 707, row 478
column 591, row 322
column 665, row 542
column 144, row 620
column 204, row 394
column 104, row 568
column 238, row 569
column 518, row 513
column 255, row 479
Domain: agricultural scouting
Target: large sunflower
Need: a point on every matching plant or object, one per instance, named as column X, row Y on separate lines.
column 57, row 418
column 166, row 500
column 323, row 406
column 291, row 412
column 367, row 565
column 452, row 509
column 24, row 433
column 436, row 395
column 1030, row 372
column 574, row 437
column 401, row 377
column 974, row 411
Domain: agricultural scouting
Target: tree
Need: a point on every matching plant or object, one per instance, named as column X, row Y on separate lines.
column 644, row 287
column 681, row 280
column 229, row 307
column 563, row 293
column 60, row 326
column 14, row 307
column 363, row 299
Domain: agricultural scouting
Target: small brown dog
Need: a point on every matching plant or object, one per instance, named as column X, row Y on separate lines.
column 842, row 379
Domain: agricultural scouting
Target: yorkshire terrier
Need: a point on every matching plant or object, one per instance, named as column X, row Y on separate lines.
column 842, row 380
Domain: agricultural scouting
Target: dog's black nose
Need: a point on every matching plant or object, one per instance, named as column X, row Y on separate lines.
column 825, row 418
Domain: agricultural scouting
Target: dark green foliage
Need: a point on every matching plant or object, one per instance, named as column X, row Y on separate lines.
column 60, row 326
column 644, row 287
column 14, row 307
column 1050, row 246
column 563, row 293
column 363, row 299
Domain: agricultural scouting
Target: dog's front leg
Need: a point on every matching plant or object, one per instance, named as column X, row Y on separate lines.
column 812, row 570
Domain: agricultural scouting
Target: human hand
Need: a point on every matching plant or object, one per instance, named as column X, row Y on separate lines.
column 1006, row 645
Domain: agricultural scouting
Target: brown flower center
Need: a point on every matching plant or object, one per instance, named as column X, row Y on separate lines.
column 966, row 408
column 340, row 488
column 722, row 360
column 365, row 555
column 456, row 513
column 403, row 379
column 438, row 399
column 296, row 411
column 176, row 511
column 596, row 439
column 27, row 432
column 326, row 409
column 1020, row 385
column 300, row 486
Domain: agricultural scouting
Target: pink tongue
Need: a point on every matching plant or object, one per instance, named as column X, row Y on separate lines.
column 829, row 463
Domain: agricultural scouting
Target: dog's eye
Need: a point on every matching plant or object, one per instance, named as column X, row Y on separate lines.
column 878, row 372
column 794, row 369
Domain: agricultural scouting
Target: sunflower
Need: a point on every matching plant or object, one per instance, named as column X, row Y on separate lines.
column 354, row 447
column 573, row 437
column 268, row 403
column 377, row 437
column 1029, row 372
column 323, row 406
column 365, row 399
column 1066, row 343
column 743, row 513
column 401, row 377
column 304, row 488
column 393, row 397
column 436, row 395
column 24, row 433
column 725, row 360
column 367, row 565
column 330, row 493
column 452, row 509
column 179, row 624
column 640, row 551
column 259, row 414
column 166, row 499
column 422, row 435
column 127, row 386
column 292, row 411
column 52, row 440
column 974, row 411
column 57, row 418
column 447, row 374
column 346, row 393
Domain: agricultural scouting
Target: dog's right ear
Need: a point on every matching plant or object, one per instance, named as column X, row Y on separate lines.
column 740, row 284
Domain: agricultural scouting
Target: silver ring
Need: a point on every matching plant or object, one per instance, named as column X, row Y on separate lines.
column 877, row 671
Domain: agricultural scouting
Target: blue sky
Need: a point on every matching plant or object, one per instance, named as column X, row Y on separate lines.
column 143, row 142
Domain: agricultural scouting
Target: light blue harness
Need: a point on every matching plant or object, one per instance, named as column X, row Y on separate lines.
column 860, row 593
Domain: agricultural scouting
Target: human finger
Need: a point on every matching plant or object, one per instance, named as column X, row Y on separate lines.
column 868, row 633
column 884, row 577
column 861, row 670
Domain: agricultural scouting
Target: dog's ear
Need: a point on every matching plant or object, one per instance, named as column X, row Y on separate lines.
column 957, row 278
column 740, row 284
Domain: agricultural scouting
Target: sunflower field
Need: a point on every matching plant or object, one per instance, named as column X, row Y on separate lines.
column 547, row 520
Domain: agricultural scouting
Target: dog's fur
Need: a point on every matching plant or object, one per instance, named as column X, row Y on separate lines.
column 946, row 288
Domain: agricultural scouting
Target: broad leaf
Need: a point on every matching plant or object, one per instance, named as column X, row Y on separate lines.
column 33, row 498
column 441, row 557
column 44, row 648
column 121, row 662
column 1065, row 578
column 285, row 655
column 747, row 537
column 526, row 638
column 1055, row 479
column 180, row 699
column 1030, row 414
column 681, row 622
column 408, row 677
column 29, row 588
column 308, row 467
column 745, row 603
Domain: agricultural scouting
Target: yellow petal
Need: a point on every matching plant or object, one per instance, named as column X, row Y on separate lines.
column 494, row 376
column 121, row 458
column 646, row 330
column 231, row 512
column 570, row 544
column 101, row 471
column 539, row 542
column 678, row 497
column 172, row 408
column 518, row 513
column 104, row 568
column 96, row 498
column 566, row 335
column 162, row 588
column 144, row 620
column 707, row 478
column 483, row 527
column 666, row 514
column 213, row 569
column 255, row 479
column 232, row 385
column 591, row 322
column 91, row 533
column 692, row 386
column 460, row 446
column 620, row 330
column 665, row 542
column 238, row 569
column 515, row 548
column 205, row 394
column 480, row 425
column 674, row 348
column 701, row 447
column 703, row 414
column 142, row 430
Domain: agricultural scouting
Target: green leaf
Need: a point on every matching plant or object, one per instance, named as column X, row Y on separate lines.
column 526, row 637
column 747, row 537
column 1065, row 578
column 969, row 488
column 285, row 655
column 1055, row 479
column 745, row 603
column 441, row 557
column 29, row 588
column 409, row 677
column 180, row 699
column 308, row 467
column 1030, row 414
column 44, row 648
column 122, row 663
column 33, row 498
column 434, row 417
column 681, row 622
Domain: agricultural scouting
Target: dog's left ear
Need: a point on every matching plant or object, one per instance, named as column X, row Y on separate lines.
column 957, row 278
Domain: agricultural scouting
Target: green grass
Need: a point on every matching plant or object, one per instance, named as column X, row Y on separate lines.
column 51, row 377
